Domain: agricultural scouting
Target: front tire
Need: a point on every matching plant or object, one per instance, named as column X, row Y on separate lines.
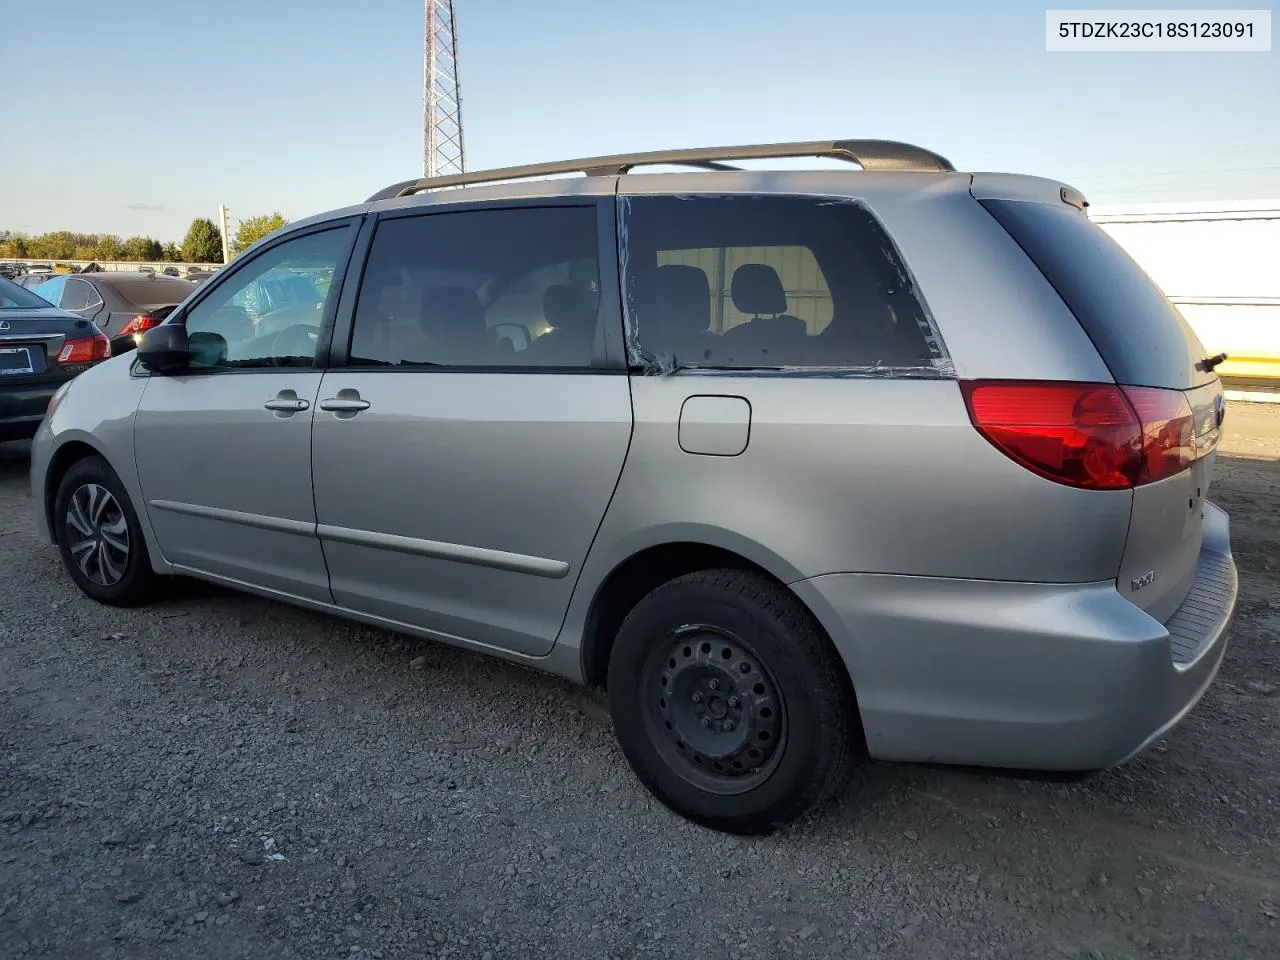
column 730, row 703
column 99, row 536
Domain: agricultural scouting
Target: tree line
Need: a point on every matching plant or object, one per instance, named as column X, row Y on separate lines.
column 202, row 244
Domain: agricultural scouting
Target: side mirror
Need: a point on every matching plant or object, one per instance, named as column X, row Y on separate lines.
column 164, row 349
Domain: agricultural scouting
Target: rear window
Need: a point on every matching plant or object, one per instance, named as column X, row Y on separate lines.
column 741, row 282
column 14, row 297
column 143, row 292
column 1140, row 335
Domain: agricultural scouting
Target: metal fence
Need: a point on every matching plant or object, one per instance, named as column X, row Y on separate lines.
column 113, row 266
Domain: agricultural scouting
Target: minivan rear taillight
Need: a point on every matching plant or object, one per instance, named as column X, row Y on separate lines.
column 1090, row 435
column 1168, row 431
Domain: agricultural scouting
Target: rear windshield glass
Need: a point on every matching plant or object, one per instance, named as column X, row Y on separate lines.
column 14, row 297
column 145, row 293
column 1141, row 336
column 768, row 282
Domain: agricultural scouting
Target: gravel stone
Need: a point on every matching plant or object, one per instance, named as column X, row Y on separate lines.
column 141, row 776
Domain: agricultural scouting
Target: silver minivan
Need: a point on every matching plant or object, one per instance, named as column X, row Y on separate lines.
column 802, row 467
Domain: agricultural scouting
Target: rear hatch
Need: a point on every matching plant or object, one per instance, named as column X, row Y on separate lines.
column 1146, row 343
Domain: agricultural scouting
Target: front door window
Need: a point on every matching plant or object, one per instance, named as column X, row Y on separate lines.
column 268, row 314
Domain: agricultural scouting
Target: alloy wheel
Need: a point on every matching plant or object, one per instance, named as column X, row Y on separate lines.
column 97, row 534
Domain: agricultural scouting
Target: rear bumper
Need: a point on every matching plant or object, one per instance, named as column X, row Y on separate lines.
column 22, row 407
column 1024, row 675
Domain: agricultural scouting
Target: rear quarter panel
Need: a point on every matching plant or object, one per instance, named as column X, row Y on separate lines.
column 849, row 475
column 861, row 475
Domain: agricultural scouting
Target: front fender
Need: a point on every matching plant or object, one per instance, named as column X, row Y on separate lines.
column 96, row 415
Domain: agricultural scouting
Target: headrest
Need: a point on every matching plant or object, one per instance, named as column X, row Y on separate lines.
column 756, row 289
column 568, row 308
column 451, row 309
column 684, row 298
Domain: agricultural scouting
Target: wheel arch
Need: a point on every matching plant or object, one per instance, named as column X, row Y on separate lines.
column 647, row 566
column 68, row 454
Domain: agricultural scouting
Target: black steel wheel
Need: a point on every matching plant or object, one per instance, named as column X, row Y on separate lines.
column 730, row 703
column 99, row 536
column 713, row 709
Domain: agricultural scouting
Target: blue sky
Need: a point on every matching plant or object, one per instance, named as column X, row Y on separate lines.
column 156, row 111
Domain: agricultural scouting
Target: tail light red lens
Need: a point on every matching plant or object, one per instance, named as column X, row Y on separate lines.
column 85, row 349
column 1168, row 431
column 139, row 324
column 1088, row 435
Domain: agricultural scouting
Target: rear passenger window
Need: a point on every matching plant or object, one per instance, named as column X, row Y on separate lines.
column 768, row 282
column 77, row 295
column 481, row 288
column 1141, row 336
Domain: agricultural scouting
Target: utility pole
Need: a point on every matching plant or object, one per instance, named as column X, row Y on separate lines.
column 442, row 151
column 226, row 237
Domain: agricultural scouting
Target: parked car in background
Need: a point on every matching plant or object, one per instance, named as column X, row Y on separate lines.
column 33, row 278
column 41, row 348
column 123, row 305
column 801, row 467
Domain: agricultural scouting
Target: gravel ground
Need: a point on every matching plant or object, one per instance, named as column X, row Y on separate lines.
column 219, row 776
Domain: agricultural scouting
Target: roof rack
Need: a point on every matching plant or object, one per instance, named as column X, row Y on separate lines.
column 868, row 154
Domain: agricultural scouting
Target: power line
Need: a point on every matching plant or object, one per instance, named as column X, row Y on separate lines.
column 1214, row 172
column 1273, row 148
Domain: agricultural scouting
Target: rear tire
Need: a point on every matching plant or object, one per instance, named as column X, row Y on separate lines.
column 100, row 538
column 730, row 703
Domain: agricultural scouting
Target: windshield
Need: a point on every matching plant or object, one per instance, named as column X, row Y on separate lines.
column 14, row 297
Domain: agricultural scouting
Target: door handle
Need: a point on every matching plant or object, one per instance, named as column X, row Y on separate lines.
column 286, row 402
column 346, row 402
column 344, row 405
column 292, row 406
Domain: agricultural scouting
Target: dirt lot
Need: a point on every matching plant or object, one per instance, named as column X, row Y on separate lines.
column 219, row 776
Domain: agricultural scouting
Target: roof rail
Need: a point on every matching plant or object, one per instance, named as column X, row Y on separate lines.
column 868, row 154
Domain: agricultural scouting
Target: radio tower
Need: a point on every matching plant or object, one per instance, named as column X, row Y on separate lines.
column 442, row 96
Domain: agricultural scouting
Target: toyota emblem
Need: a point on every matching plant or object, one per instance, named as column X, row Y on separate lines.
column 4, row 324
